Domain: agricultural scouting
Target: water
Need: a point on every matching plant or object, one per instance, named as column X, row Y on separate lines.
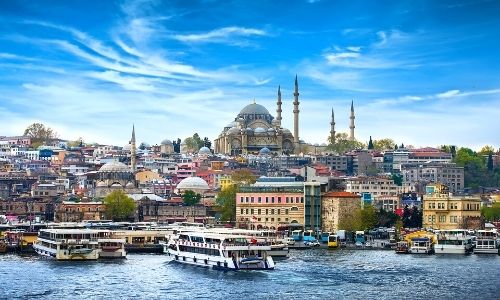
column 311, row 274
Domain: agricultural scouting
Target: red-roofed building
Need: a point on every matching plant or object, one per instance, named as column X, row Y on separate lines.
column 336, row 207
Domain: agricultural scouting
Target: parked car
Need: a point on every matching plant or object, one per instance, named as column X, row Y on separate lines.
column 312, row 243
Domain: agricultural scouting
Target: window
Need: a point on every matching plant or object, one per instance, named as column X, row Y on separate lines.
column 286, row 211
column 241, row 211
column 294, row 208
column 267, row 199
column 258, row 211
column 272, row 199
column 272, row 211
column 279, row 199
column 259, row 200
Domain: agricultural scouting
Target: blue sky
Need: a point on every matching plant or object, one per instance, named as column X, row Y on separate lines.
column 424, row 73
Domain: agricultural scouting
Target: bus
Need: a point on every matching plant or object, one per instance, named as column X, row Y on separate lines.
column 297, row 235
column 324, row 237
column 333, row 241
column 309, row 236
column 360, row 237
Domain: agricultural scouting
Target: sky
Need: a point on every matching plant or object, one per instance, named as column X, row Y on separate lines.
column 424, row 73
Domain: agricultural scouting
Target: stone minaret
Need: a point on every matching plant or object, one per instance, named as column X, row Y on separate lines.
column 332, row 129
column 132, row 150
column 296, row 102
column 351, row 137
column 278, row 110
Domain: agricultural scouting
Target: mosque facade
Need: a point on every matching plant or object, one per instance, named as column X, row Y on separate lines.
column 255, row 129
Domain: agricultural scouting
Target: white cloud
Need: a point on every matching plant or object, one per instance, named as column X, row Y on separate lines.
column 448, row 94
column 221, row 35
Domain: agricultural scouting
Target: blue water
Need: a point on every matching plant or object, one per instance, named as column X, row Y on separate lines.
column 311, row 274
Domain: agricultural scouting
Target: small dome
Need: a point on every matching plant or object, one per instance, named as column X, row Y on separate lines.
column 166, row 142
column 259, row 130
column 193, row 183
column 264, row 151
column 254, row 108
column 127, row 147
column 275, row 122
column 101, row 184
column 114, row 166
column 116, row 185
column 129, row 185
column 205, row 150
column 232, row 124
column 271, row 130
column 233, row 130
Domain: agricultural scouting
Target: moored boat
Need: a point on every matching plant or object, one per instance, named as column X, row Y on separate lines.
column 421, row 245
column 402, row 247
column 111, row 248
column 454, row 241
column 486, row 242
column 219, row 251
column 68, row 244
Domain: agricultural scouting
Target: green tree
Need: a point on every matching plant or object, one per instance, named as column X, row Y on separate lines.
column 352, row 221
column 226, row 203
column 486, row 150
column 343, row 144
column 190, row 198
column 398, row 179
column 368, row 218
column 370, row 143
column 199, row 142
column 119, row 206
column 492, row 213
column 40, row 134
column 489, row 165
column 243, row 177
column 383, row 144
column 207, row 143
column 76, row 143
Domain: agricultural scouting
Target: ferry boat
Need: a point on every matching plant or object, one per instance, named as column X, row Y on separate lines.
column 421, row 245
column 111, row 248
column 402, row 247
column 68, row 244
column 486, row 242
column 454, row 241
column 218, row 251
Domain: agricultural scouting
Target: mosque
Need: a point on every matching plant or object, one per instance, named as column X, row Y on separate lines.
column 256, row 131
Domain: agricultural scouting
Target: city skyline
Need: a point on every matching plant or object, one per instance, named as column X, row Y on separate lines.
column 422, row 73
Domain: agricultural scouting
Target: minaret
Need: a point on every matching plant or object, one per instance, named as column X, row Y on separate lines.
column 296, row 102
column 352, row 121
column 278, row 110
column 332, row 129
column 132, row 149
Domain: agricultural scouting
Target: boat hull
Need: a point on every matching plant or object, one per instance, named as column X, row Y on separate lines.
column 439, row 249
column 64, row 254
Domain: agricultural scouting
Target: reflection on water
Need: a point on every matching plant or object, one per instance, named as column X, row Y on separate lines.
column 311, row 274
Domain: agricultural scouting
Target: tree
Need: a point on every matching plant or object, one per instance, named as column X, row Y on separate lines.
column 76, row 143
column 406, row 217
column 119, row 206
column 492, row 213
column 368, row 218
column 343, row 144
column 416, row 218
column 243, row 177
column 351, row 222
column 486, row 150
column 489, row 165
column 398, row 179
column 370, row 143
column 190, row 198
column 207, row 143
column 177, row 145
column 383, row 144
column 226, row 203
column 40, row 134
column 190, row 144
column 199, row 142
column 386, row 218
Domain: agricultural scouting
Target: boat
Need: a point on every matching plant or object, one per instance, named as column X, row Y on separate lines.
column 487, row 242
column 111, row 248
column 219, row 251
column 421, row 245
column 68, row 244
column 402, row 247
column 454, row 241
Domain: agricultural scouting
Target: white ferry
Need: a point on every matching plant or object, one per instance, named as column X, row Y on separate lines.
column 421, row 245
column 219, row 251
column 454, row 241
column 486, row 242
column 68, row 244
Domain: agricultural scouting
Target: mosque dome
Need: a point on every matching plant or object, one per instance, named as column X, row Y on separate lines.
column 271, row 130
column 233, row 130
column 129, row 185
column 264, row 151
column 193, row 184
column 166, row 142
column 116, row 185
column 205, row 151
column 232, row 124
column 114, row 166
column 259, row 130
column 254, row 108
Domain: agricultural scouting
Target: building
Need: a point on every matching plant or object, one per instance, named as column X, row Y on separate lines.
column 150, row 209
column 270, row 202
column 417, row 175
column 195, row 184
column 442, row 210
column 312, row 205
column 112, row 176
column 69, row 211
column 336, row 207
column 375, row 186
column 387, row 203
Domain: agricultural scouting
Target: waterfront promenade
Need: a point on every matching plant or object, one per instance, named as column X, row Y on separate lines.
column 308, row 274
